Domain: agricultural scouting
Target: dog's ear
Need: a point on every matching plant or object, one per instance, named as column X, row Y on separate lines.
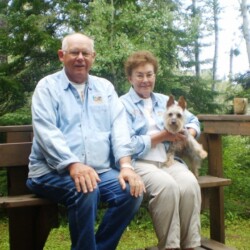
column 170, row 101
column 182, row 102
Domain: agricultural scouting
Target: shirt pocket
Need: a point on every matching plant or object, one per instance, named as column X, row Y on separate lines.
column 99, row 116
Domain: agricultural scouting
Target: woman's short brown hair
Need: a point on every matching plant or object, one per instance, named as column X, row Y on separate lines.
column 140, row 58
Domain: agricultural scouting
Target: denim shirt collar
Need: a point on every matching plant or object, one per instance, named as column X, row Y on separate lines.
column 137, row 99
column 66, row 82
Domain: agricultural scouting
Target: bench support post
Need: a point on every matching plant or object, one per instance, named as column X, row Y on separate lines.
column 29, row 227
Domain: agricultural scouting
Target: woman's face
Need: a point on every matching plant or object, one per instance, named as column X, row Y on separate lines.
column 143, row 80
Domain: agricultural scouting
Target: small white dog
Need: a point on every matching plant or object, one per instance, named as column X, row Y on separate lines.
column 189, row 149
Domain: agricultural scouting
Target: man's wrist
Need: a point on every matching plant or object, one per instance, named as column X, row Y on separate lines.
column 127, row 165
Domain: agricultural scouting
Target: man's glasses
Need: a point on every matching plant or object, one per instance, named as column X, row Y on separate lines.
column 141, row 77
column 76, row 53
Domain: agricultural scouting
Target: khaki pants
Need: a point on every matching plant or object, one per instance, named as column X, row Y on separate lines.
column 174, row 203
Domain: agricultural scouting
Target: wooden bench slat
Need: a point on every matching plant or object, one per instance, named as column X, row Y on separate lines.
column 15, row 154
column 212, row 245
column 23, row 201
column 16, row 128
column 206, row 244
column 209, row 181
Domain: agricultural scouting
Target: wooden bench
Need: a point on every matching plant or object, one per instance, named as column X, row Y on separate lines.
column 31, row 218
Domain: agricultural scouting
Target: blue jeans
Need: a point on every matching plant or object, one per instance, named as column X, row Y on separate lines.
column 82, row 208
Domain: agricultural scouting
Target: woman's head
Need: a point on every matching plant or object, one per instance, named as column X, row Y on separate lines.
column 141, row 68
column 140, row 58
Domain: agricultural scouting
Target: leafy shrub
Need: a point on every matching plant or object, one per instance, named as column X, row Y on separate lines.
column 236, row 160
column 21, row 116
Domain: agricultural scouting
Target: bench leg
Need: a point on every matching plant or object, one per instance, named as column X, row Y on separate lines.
column 217, row 224
column 29, row 227
column 47, row 219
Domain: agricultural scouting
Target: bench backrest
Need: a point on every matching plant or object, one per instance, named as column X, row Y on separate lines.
column 15, row 154
column 14, row 157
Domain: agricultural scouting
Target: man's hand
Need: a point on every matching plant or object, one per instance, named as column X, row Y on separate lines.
column 135, row 182
column 84, row 176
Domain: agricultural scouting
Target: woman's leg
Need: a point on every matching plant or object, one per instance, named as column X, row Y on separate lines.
column 190, row 205
column 164, row 195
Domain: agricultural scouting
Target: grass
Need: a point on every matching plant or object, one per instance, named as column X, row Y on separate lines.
column 140, row 234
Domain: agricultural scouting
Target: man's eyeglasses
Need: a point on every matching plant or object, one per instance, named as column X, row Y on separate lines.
column 76, row 53
column 149, row 76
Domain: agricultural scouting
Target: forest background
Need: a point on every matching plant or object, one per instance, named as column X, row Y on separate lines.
column 175, row 31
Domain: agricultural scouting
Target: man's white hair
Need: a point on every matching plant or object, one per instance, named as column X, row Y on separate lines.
column 65, row 40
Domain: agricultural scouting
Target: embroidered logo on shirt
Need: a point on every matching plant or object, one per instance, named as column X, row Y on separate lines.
column 160, row 113
column 97, row 99
column 136, row 112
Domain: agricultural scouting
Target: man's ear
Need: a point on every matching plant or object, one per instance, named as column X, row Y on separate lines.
column 60, row 54
column 94, row 56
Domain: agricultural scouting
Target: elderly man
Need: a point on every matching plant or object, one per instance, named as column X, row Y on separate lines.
column 79, row 122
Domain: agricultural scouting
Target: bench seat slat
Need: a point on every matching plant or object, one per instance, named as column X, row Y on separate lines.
column 23, row 201
column 209, row 181
column 212, row 244
column 32, row 200
column 206, row 244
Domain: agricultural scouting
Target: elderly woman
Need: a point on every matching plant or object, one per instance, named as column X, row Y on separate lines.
column 174, row 193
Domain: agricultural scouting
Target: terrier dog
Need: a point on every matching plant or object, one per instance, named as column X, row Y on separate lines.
column 188, row 149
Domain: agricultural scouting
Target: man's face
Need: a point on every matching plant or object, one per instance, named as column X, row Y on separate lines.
column 77, row 58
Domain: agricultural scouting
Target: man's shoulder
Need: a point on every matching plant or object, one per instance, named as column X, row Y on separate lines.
column 99, row 80
column 100, row 84
column 51, row 78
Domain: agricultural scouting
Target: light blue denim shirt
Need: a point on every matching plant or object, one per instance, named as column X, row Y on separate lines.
column 138, row 124
column 67, row 130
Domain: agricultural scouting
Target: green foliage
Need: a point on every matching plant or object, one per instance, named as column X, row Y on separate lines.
column 129, row 27
column 237, row 167
column 11, row 95
column 21, row 116
column 32, row 32
column 243, row 80
column 3, row 183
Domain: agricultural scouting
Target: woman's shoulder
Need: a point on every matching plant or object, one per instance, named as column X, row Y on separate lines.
column 159, row 97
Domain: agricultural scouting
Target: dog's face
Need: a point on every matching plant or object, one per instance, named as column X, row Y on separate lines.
column 174, row 116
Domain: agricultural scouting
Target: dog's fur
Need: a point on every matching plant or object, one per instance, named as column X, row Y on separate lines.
column 188, row 149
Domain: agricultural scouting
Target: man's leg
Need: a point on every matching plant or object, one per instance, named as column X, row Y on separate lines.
column 82, row 208
column 121, row 210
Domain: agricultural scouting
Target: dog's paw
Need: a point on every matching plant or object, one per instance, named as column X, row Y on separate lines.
column 203, row 154
column 169, row 162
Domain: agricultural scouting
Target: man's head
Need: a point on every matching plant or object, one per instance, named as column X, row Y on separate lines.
column 77, row 54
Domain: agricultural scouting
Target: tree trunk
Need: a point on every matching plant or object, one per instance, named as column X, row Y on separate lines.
column 3, row 58
column 216, row 40
column 196, row 44
column 246, row 32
